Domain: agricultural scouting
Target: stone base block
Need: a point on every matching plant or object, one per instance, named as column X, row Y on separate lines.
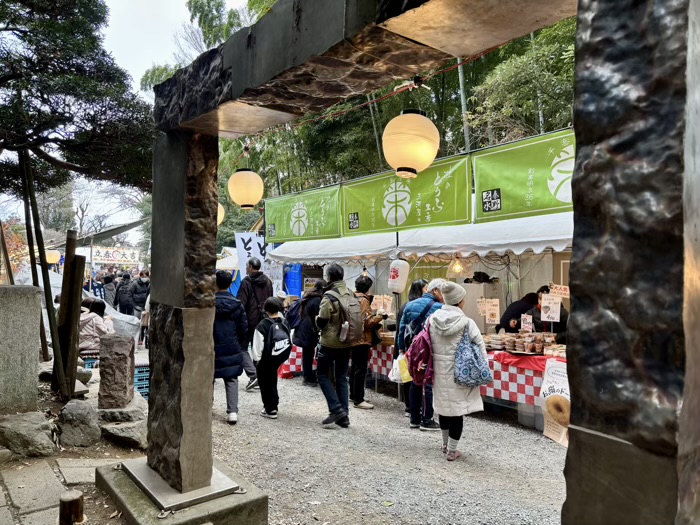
column 617, row 483
column 139, row 509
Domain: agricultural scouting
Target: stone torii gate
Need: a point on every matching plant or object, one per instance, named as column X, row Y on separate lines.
column 634, row 439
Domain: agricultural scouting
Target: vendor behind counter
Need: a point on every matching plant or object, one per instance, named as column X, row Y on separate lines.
column 558, row 328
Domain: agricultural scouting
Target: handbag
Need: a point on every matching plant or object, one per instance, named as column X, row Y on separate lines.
column 471, row 368
column 403, row 367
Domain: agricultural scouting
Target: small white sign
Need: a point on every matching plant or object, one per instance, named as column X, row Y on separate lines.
column 481, row 305
column 526, row 323
column 551, row 308
column 492, row 311
column 556, row 401
column 559, row 290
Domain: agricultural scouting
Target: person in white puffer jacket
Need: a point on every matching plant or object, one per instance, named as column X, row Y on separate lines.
column 452, row 401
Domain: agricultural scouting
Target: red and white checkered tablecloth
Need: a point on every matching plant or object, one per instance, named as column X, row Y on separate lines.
column 295, row 361
column 382, row 359
column 513, row 384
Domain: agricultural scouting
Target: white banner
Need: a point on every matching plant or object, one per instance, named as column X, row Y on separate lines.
column 249, row 245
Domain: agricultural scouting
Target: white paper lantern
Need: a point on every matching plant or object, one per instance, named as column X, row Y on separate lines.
column 398, row 276
column 410, row 143
column 246, row 188
column 53, row 256
column 220, row 214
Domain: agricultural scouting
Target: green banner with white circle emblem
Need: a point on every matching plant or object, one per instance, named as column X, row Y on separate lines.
column 439, row 195
column 308, row 215
column 525, row 178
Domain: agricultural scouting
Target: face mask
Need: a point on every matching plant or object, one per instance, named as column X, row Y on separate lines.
column 144, row 279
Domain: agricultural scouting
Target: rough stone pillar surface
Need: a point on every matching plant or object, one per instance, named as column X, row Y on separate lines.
column 20, row 311
column 181, row 339
column 116, row 371
column 626, row 343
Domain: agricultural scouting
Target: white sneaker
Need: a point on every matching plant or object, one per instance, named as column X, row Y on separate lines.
column 232, row 418
column 365, row 406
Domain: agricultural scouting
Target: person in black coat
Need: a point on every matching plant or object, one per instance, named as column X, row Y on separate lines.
column 306, row 334
column 123, row 297
column 230, row 332
column 510, row 320
column 539, row 325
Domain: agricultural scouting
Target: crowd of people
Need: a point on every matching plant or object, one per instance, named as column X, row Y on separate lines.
column 334, row 326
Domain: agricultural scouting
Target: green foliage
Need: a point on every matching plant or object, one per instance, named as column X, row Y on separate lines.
column 56, row 208
column 63, row 98
column 216, row 22
column 155, row 75
column 258, row 8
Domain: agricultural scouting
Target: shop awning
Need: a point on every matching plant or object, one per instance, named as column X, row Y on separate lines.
column 362, row 248
column 537, row 234
column 228, row 263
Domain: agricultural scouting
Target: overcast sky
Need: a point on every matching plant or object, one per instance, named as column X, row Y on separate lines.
column 140, row 32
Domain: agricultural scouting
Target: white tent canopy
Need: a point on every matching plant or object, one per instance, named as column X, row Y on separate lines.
column 357, row 249
column 537, row 234
column 228, row 263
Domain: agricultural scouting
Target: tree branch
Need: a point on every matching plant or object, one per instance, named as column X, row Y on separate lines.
column 61, row 164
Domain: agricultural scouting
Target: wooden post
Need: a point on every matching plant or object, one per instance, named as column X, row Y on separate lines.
column 70, row 510
column 73, row 322
column 32, row 261
column 58, row 360
column 6, row 255
column 71, row 293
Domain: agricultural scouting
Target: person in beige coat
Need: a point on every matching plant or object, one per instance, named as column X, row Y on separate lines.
column 93, row 324
column 452, row 401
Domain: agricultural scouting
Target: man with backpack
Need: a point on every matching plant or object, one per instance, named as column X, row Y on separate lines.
column 302, row 319
column 412, row 322
column 341, row 325
column 256, row 288
column 272, row 344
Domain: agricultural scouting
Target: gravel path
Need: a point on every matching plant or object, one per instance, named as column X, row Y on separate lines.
column 379, row 471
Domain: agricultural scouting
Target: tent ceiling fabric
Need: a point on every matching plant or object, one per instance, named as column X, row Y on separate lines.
column 361, row 248
column 537, row 234
column 517, row 236
column 228, row 263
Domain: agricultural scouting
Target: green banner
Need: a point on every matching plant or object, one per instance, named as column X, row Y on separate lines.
column 525, row 178
column 309, row 215
column 383, row 203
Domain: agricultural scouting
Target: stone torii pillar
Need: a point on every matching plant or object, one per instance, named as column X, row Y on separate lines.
column 185, row 200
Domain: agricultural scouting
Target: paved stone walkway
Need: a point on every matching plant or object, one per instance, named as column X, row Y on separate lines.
column 32, row 490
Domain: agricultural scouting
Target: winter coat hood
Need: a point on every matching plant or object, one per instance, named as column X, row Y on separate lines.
column 449, row 320
column 259, row 279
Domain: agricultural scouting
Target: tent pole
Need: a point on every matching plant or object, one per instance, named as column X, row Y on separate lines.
column 92, row 244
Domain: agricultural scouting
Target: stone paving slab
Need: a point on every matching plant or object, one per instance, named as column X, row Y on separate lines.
column 43, row 517
column 5, row 516
column 33, row 488
column 81, row 471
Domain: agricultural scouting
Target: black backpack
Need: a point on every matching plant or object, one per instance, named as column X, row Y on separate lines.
column 278, row 338
column 294, row 315
column 123, row 293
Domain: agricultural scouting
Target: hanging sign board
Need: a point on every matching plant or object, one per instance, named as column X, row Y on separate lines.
column 439, row 195
column 559, row 290
column 119, row 256
column 309, row 215
column 551, row 308
column 525, row 178
column 492, row 311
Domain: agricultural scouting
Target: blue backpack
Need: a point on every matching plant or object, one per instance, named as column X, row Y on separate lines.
column 471, row 368
column 294, row 315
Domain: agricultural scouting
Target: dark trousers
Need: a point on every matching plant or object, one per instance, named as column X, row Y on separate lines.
column 358, row 372
column 267, row 379
column 406, row 393
column 307, row 363
column 336, row 360
column 454, row 424
column 126, row 309
column 421, row 400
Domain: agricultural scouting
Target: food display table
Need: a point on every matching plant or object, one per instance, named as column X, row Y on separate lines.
column 515, row 383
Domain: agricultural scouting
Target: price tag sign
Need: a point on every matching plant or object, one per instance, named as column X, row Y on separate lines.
column 526, row 323
column 481, row 305
column 551, row 308
column 492, row 311
column 559, row 290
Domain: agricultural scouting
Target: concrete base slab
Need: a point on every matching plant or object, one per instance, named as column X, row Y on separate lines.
column 168, row 498
column 138, row 509
column 81, row 471
column 33, row 488
column 43, row 517
column 5, row 516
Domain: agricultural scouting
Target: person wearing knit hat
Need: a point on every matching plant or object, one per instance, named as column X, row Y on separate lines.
column 448, row 326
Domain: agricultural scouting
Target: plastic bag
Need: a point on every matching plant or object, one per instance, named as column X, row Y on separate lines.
column 403, row 366
column 395, row 372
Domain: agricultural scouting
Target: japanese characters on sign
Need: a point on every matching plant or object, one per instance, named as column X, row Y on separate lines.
column 559, row 290
column 490, row 309
column 555, row 400
column 526, row 323
column 105, row 255
column 439, row 195
column 525, row 178
column 551, row 308
column 309, row 215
